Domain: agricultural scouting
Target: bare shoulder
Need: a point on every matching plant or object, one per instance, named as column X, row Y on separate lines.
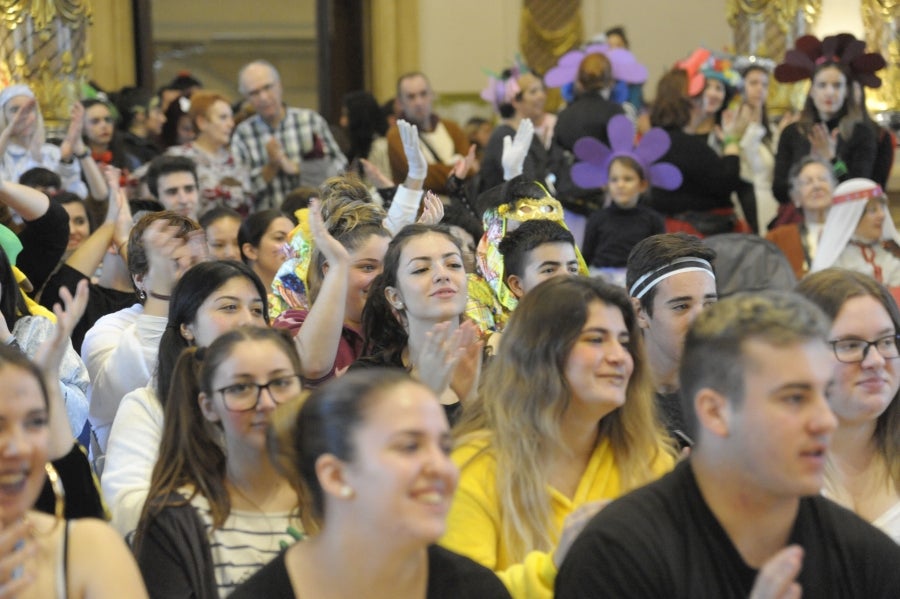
column 100, row 563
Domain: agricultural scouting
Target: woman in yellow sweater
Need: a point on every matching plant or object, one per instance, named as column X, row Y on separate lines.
column 564, row 420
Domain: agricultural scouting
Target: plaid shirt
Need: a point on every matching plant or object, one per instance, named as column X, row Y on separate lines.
column 306, row 139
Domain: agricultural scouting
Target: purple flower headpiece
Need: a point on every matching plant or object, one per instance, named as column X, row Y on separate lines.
column 625, row 66
column 595, row 157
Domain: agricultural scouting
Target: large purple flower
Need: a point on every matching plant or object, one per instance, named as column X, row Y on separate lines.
column 593, row 169
column 625, row 66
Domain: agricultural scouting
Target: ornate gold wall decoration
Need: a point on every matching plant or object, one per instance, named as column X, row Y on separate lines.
column 43, row 43
column 549, row 29
column 768, row 28
column 881, row 19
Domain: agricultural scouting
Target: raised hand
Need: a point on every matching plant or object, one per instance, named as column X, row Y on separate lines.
column 467, row 164
column 516, row 149
column 332, row 249
column 821, row 143
column 433, row 211
column 415, row 157
column 375, row 175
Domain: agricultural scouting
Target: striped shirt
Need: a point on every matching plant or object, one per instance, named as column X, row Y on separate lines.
column 244, row 543
column 305, row 137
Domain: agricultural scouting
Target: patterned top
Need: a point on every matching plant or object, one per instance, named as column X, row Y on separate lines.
column 305, row 137
column 223, row 181
column 246, row 542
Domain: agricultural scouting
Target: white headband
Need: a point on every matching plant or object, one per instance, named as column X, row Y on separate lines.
column 679, row 265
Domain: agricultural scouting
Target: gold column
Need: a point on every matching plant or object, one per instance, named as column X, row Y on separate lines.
column 549, row 29
column 43, row 44
column 768, row 28
column 880, row 21
column 392, row 54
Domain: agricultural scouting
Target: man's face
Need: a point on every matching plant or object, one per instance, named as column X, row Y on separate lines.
column 263, row 90
column 415, row 99
column 678, row 301
column 778, row 435
column 544, row 262
column 178, row 192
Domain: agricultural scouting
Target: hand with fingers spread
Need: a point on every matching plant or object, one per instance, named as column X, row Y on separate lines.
column 415, row 157
column 50, row 354
column 437, row 359
column 332, row 249
column 776, row 579
column 516, row 149
column 433, row 210
column 821, row 143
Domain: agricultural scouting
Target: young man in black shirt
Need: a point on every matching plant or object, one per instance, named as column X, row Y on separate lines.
column 743, row 515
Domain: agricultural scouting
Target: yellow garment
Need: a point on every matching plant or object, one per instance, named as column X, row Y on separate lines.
column 34, row 308
column 474, row 522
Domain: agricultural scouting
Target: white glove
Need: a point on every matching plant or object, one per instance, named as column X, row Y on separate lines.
column 415, row 157
column 515, row 150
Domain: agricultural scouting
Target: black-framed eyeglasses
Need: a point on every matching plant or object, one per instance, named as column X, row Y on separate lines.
column 851, row 351
column 243, row 397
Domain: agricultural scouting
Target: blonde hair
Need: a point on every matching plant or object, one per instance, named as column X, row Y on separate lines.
column 524, row 396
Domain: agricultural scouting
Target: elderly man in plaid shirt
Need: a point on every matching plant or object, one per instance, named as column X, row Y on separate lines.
column 284, row 147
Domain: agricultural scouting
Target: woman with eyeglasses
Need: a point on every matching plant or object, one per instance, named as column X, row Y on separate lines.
column 218, row 510
column 863, row 469
column 211, row 299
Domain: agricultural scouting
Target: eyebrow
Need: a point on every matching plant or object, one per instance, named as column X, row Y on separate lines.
column 887, row 332
column 428, row 258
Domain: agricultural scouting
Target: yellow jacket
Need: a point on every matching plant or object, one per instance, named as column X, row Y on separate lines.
column 474, row 523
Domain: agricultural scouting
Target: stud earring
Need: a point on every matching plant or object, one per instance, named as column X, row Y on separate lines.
column 346, row 492
column 399, row 305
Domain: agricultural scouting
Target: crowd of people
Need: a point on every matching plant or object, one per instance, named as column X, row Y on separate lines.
column 246, row 353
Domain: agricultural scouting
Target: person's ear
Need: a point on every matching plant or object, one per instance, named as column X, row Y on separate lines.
column 515, row 285
column 332, row 474
column 248, row 250
column 207, row 408
column 187, row 333
column 643, row 186
column 642, row 319
column 392, row 295
column 713, row 411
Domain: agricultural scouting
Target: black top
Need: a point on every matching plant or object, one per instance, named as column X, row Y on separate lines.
column 82, row 494
column 450, row 576
column 663, row 541
column 612, row 232
column 143, row 149
column 707, row 178
column 858, row 154
column 101, row 301
column 44, row 242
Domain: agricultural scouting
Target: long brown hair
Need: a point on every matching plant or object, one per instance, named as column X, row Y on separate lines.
column 521, row 404
column 190, row 451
